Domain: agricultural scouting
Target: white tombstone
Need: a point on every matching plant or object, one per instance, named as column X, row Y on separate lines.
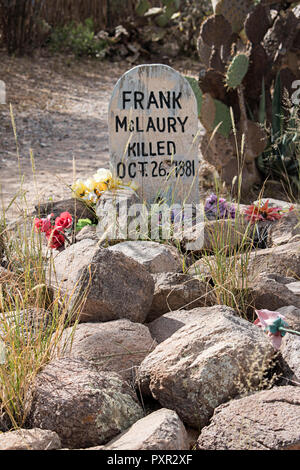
column 153, row 134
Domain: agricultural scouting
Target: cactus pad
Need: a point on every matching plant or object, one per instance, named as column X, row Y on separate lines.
column 259, row 69
column 235, row 11
column 208, row 112
column 215, row 61
column 213, row 83
column 237, row 70
column 257, row 24
column 222, row 116
column 214, row 30
column 255, row 140
column 204, row 52
column 214, row 114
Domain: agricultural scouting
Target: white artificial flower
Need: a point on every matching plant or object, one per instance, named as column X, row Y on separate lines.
column 102, row 175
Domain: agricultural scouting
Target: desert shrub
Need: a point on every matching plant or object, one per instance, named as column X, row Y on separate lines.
column 78, row 39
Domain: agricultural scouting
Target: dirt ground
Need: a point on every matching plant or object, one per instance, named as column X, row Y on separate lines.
column 59, row 106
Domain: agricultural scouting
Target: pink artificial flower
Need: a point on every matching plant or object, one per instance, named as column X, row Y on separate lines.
column 64, row 221
column 55, row 237
column 266, row 320
column 43, row 225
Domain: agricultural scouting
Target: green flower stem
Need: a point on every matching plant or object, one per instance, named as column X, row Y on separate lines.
column 293, row 332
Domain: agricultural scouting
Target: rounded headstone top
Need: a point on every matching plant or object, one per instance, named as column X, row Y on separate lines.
column 153, row 126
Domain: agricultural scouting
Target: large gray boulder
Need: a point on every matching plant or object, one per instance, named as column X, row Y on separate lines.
column 273, row 291
column 105, row 284
column 83, row 406
column 166, row 325
column 283, row 260
column 267, row 420
column 205, row 363
column 114, row 346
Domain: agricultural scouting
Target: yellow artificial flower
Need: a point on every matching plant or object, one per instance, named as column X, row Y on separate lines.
column 115, row 183
column 103, row 180
column 95, row 187
column 100, row 187
column 79, row 188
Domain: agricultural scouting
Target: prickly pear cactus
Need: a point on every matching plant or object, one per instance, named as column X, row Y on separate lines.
column 241, row 48
column 235, row 11
column 237, row 70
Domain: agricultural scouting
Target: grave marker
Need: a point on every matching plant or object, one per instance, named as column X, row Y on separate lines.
column 153, row 125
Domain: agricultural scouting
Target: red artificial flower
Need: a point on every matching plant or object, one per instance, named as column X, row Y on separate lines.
column 255, row 213
column 43, row 225
column 55, row 237
column 64, row 221
column 54, row 233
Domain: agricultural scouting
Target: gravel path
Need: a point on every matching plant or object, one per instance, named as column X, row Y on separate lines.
column 60, row 110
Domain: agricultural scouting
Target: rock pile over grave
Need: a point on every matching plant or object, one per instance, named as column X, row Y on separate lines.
column 154, row 354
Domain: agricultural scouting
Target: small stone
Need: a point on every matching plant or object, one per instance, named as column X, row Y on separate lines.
column 174, row 291
column 87, row 232
column 113, row 209
column 30, row 321
column 272, row 291
column 160, row 430
column 294, row 287
column 75, row 207
column 30, row 439
column 283, row 260
column 283, row 230
column 292, row 315
column 217, row 235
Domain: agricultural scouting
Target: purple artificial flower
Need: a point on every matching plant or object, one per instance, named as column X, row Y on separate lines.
column 218, row 208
